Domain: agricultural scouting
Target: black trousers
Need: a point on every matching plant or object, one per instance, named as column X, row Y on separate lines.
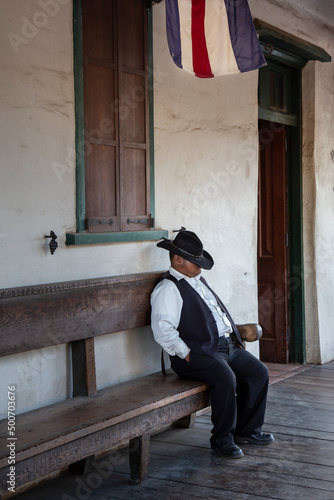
column 239, row 386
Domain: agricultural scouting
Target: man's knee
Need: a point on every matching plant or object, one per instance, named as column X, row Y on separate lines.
column 225, row 377
column 263, row 371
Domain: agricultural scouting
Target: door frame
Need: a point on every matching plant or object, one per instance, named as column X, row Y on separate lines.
column 295, row 271
column 292, row 51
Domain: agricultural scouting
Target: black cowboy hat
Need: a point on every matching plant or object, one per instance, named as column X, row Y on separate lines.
column 189, row 246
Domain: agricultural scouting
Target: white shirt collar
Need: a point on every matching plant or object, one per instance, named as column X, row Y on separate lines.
column 179, row 276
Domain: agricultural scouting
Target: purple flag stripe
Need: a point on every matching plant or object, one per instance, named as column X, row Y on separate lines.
column 173, row 31
column 246, row 47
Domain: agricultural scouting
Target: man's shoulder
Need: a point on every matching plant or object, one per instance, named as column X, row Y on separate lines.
column 166, row 284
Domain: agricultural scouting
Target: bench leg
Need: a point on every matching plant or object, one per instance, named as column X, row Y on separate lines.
column 186, row 422
column 82, row 466
column 139, row 452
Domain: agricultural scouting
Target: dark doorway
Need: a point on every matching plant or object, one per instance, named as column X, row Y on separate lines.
column 272, row 243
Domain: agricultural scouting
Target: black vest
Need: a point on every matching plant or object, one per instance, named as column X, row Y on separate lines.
column 197, row 327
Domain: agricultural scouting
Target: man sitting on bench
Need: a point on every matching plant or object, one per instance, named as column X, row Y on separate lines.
column 193, row 326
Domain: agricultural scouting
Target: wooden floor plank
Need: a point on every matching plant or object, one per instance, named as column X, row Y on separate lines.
column 268, row 460
column 298, row 390
column 300, row 415
column 161, row 489
column 306, row 450
column 216, row 472
column 296, row 415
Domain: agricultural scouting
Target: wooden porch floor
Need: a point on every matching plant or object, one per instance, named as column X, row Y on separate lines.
column 299, row 465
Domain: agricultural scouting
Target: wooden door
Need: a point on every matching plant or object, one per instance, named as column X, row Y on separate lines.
column 272, row 254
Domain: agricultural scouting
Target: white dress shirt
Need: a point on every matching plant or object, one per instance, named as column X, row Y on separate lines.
column 166, row 302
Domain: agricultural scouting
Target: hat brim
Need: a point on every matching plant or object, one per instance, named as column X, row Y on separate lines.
column 205, row 261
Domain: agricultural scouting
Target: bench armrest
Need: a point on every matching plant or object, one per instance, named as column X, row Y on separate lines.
column 250, row 332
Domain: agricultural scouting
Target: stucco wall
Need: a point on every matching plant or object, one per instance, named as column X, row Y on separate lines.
column 324, row 216
column 205, row 171
column 309, row 214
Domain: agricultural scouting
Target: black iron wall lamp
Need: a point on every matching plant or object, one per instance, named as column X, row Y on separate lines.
column 53, row 245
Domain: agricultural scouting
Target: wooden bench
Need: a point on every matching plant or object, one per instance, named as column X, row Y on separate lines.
column 71, row 432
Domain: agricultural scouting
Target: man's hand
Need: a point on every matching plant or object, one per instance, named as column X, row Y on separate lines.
column 187, row 357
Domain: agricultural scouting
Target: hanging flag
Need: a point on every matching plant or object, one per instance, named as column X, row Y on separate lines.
column 212, row 37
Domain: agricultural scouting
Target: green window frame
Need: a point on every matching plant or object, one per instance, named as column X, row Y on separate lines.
column 82, row 236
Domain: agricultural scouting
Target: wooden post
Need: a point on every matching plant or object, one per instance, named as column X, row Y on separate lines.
column 139, row 452
column 82, row 466
column 83, row 366
column 186, row 422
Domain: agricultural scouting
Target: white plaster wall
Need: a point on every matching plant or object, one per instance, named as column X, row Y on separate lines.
column 40, row 377
column 318, row 176
column 117, row 352
column 324, row 217
column 309, row 214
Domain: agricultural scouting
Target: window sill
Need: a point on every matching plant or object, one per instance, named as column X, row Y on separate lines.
column 101, row 238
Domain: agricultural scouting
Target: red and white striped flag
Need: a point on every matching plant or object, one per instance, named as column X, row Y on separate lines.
column 212, row 37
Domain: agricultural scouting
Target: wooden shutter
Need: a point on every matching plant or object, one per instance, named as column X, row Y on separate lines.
column 116, row 115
